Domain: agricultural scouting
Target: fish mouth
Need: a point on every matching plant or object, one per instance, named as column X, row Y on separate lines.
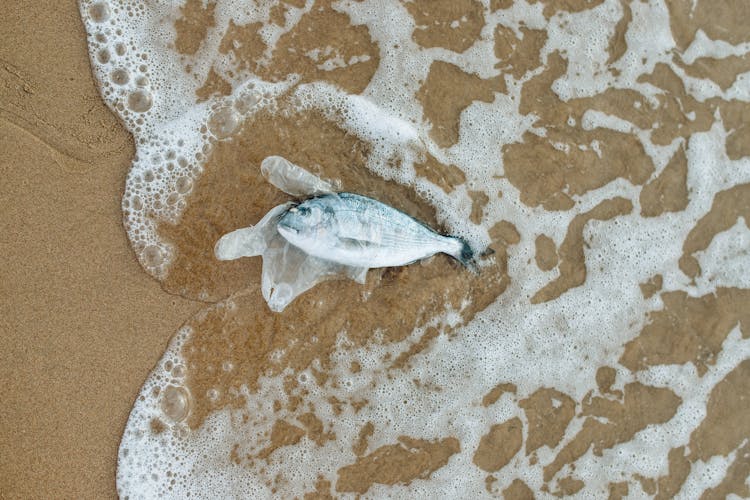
column 285, row 230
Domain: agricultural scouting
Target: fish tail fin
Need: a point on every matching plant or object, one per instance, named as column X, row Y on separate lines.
column 465, row 255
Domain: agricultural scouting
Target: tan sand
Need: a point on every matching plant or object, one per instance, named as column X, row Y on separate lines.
column 80, row 324
column 83, row 325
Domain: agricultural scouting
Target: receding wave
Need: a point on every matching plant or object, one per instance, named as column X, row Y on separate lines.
column 597, row 150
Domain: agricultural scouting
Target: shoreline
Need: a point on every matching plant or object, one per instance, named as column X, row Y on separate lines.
column 83, row 324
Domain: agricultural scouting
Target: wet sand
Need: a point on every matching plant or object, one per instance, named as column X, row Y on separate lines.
column 82, row 325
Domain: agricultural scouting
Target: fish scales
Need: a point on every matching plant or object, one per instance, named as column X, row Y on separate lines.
column 378, row 229
column 355, row 230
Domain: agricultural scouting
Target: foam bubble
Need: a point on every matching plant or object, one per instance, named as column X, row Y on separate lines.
column 223, row 122
column 99, row 12
column 120, row 76
column 175, row 403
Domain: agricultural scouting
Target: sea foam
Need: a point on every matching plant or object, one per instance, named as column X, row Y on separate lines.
column 545, row 330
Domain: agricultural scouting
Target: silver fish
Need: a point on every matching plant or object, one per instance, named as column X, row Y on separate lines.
column 330, row 235
column 358, row 231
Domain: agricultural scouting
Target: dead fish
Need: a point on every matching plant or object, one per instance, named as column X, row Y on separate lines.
column 358, row 231
column 329, row 235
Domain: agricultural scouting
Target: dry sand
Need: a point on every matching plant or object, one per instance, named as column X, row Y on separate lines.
column 81, row 324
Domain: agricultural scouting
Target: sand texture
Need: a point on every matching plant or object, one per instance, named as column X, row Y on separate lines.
column 572, row 198
column 81, row 323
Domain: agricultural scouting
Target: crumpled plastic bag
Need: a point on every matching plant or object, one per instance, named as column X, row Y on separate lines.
column 287, row 270
column 293, row 179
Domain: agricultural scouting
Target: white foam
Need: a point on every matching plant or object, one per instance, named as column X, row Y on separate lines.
column 702, row 46
column 557, row 344
column 726, row 261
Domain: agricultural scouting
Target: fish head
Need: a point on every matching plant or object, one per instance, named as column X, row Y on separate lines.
column 306, row 224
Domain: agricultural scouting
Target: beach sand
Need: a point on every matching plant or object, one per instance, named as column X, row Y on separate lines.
column 82, row 325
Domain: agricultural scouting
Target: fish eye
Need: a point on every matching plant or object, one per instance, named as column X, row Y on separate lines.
column 303, row 210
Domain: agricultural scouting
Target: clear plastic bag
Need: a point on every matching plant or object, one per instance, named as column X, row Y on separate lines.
column 287, row 270
column 293, row 179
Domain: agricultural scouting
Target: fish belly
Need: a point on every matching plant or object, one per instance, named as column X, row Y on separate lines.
column 374, row 240
column 351, row 254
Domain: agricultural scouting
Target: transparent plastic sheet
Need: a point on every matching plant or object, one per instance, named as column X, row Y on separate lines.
column 287, row 270
column 293, row 179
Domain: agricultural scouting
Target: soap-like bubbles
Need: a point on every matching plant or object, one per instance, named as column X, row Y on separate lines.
column 223, row 122
column 120, row 76
column 99, row 12
column 140, row 101
column 175, row 403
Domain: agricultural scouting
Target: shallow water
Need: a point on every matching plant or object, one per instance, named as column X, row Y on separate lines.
column 599, row 149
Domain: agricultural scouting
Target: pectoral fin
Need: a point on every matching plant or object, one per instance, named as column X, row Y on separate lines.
column 356, row 243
